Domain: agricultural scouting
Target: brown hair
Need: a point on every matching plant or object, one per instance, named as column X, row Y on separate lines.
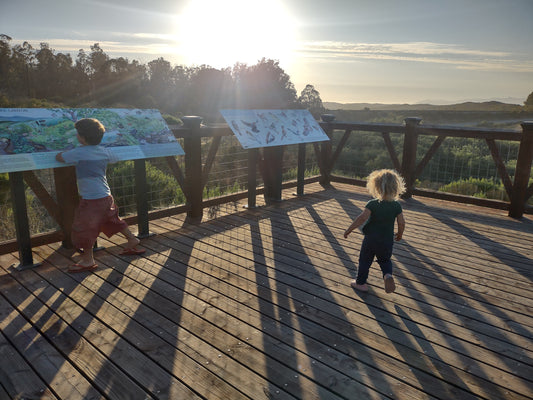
column 91, row 130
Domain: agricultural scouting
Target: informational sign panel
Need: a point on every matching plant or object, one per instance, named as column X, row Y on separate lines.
column 31, row 137
column 265, row 128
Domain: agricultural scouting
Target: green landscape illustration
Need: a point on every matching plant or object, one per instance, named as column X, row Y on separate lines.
column 52, row 129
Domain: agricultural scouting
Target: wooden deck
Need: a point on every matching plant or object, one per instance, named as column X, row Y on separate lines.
column 256, row 304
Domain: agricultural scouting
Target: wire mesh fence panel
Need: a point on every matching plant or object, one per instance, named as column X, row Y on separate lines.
column 363, row 153
column 229, row 171
column 465, row 166
column 460, row 165
column 163, row 188
column 39, row 220
column 121, row 179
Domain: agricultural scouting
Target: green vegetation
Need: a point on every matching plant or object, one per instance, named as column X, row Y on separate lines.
column 121, row 178
column 41, row 78
column 482, row 188
column 38, row 218
column 502, row 119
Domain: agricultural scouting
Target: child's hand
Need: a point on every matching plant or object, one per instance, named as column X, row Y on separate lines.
column 398, row 237
column 346, row 233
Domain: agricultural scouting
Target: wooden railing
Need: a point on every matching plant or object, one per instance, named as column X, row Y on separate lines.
column 194, row 177
column 517, row 190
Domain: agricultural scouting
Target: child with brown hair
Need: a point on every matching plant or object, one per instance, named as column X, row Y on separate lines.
column 377, row 219
column 96, row 211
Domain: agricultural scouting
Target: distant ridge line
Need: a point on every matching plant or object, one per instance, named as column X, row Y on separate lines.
column 466, row 106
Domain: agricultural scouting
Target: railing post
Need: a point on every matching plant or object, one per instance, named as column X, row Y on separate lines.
column 410, row 144
column 192, row 145
column 272, row 173
column 20, row 213
column 326, row 150
column 300, row 178
column 522, row 172
column 67, row 198
column 253, row 155
column 141, row 191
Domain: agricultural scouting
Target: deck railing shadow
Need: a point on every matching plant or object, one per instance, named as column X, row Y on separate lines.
column 293, row 277
column 71, row 306
column 470, row 311
column 277, row 277
column 248, row 270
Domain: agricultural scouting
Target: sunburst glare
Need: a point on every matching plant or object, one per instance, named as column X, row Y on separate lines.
column 222, row 33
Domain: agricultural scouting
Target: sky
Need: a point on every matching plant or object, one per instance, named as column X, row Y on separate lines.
column 351, row 51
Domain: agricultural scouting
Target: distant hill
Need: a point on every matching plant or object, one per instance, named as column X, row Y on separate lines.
column 467, row 106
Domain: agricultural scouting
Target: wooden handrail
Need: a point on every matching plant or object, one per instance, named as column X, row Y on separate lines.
column 519, row 192
column 195, row 176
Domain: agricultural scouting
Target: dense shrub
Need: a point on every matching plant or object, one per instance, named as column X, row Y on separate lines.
column 483, row 188
column 163, row 189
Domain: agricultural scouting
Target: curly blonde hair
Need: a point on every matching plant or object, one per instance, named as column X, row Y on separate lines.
column 385, row 184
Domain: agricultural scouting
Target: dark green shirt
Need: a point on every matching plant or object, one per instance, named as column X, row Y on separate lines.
column 382, row 216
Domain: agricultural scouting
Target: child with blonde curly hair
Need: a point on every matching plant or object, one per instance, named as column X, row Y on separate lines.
column 377, row 221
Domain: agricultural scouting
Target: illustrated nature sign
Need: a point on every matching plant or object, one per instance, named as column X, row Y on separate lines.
column 264, row 128
column 31, row 137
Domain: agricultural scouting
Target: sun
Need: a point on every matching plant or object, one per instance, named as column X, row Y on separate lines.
column 221, row 33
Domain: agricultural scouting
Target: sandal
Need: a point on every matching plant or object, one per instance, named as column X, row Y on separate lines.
column 132, row 252
column 75, row 268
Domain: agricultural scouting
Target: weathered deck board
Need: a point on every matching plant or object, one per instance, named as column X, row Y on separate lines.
column 257, row 304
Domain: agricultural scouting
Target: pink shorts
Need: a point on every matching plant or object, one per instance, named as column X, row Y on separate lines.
column 93, row 217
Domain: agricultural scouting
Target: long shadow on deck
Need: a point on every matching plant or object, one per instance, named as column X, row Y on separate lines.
column 402, row 333
column 505, row 254
column 311, row 348
column 443, row 291
column 27, row 293
column 304, row 313
column 72, row 306
column 308, row 342
column 148, row 312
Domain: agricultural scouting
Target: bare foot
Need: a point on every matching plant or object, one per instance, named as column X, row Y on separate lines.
column 131, row 249
column 390, row 286
column 361, row 288
column 133, row 242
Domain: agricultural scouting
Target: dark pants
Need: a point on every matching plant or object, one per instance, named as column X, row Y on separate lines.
column 374, row 246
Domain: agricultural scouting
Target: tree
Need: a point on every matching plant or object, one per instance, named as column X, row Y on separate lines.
column 96, row 80
column 160, row 80
column 264, row 85
column 529, row 101
column 209, row 91
column 5, row 62
column 99, row 72
column 51, row 68
column 310, row 99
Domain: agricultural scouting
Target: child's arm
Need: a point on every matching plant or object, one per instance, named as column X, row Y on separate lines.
column 59, row 157
column 360, row 220
column 401, row 226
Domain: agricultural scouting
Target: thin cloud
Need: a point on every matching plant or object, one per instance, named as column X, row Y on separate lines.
column 426, row 52
column 141, row 45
